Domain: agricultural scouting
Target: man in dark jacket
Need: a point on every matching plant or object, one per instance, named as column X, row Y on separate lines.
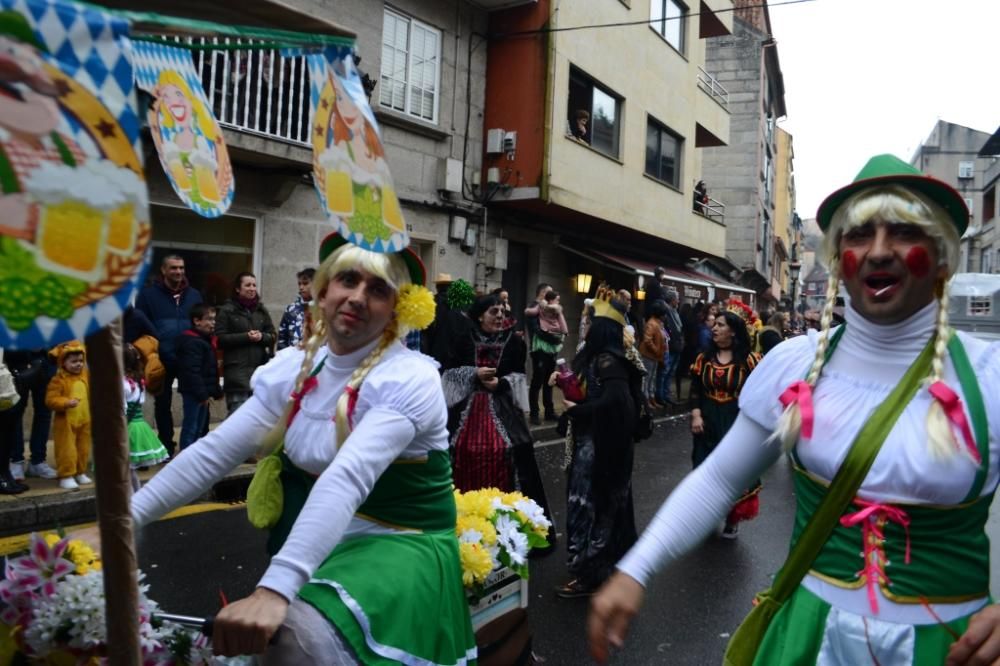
column 167, row 303
column 197, row 372
column 675, row 329
column 654, row 291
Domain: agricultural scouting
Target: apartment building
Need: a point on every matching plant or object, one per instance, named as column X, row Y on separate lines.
column 786, row 231
column 424, row 67
column 951, row 154
column 597, row 118
column 743, row 173
column 986, row 216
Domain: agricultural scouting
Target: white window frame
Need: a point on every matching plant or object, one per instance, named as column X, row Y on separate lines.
column 969, row 201
column 385, row 78
column 658, row 17
column 966, row 169
column 980, row 306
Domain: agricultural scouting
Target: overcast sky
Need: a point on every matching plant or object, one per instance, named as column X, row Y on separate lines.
column 864, row 77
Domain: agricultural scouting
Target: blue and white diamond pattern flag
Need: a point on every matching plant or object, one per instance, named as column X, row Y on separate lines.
column 188, row 140
column 349, row 167
column 74, row 215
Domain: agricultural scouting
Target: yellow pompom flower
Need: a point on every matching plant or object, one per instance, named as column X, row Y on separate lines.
column 415, row 307
column 476, row 563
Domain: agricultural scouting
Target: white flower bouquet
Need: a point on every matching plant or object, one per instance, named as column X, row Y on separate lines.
column 497, row 529
column 52, row 602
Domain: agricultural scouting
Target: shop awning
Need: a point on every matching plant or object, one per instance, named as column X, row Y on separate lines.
column 645, row 268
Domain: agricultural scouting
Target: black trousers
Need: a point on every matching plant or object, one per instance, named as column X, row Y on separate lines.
column 543, row 365
column 164, row 417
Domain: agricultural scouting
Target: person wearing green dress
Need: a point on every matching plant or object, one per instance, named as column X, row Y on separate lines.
column 145, row 448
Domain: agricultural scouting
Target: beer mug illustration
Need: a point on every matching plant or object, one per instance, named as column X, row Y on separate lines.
column 338, row 183
column 205, row 176
column 391, row 212
column 74, row 204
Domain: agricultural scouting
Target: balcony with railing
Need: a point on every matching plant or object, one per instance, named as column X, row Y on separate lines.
column 259, row 93
column 711, row 208
column 713, row 88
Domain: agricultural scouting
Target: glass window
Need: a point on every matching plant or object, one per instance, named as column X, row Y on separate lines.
column 411, row 67
column 663, row 153
column 594, row 114
column 667, row 18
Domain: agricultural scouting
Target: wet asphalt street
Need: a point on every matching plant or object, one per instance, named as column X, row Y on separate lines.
column 690, row 608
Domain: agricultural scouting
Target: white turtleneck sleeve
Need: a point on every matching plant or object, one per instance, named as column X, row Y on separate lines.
column 702, row 499
column 868, row 362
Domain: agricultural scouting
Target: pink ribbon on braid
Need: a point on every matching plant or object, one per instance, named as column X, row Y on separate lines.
column 801, row 392
column 952, row 406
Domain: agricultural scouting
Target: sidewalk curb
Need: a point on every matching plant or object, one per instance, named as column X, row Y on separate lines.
column 41, row 512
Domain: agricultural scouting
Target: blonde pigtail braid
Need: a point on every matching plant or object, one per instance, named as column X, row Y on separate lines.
column 790, row 423
column 315, row 340
column 941, row 441
column 389, row 336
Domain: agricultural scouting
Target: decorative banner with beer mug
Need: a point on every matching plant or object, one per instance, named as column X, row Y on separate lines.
column 349, row 167
column 187, row 137
column 74, row 217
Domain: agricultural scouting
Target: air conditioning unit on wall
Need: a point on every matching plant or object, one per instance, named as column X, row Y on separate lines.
column 496, row 253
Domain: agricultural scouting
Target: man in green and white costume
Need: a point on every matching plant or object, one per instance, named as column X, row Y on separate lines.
column 365, row 565
column 902, row 576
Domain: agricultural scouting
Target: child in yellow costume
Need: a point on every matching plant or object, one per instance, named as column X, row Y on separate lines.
column 67, row 397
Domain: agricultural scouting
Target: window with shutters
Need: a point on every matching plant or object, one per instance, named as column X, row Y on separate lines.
column 411, row 67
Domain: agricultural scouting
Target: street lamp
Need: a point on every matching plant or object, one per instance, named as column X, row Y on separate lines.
column 794, row 268
column 581, row 282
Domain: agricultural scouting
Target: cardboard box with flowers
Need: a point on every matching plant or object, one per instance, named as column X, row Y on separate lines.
column 52, row 611
column 496, row 531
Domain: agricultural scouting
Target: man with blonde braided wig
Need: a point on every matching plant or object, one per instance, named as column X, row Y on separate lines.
column 897, row 570
column 365, row 565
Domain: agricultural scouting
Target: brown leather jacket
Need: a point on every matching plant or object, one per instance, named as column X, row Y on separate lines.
column 654, row 343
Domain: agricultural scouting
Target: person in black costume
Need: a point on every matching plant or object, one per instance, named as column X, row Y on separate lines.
column 486, row 391
column 600, row 522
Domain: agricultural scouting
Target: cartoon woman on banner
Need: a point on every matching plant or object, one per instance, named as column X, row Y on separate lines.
column 73, row 217
column 190, row 146
column 350, row 163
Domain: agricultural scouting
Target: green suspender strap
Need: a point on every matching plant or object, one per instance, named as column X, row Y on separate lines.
column 742, row 648
column 977, row 411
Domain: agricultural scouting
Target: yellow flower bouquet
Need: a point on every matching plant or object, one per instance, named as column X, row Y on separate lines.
column 497, row 529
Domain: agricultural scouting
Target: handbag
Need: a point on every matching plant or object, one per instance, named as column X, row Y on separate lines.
column 746, row 640
column 9, row 397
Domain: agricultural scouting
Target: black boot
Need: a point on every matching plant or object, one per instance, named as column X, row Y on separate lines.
column 9, row 486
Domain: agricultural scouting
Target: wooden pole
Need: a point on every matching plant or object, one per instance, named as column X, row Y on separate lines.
column 114, row 494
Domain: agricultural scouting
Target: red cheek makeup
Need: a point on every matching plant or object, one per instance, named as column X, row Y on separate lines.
column 849, row 264
column 918, row 262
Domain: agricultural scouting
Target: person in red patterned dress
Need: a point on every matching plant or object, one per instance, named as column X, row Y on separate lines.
column 717, row 377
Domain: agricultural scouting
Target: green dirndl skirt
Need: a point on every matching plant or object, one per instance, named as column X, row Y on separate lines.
column 800, row 634
column 394, row 598
column 412, row 611
column 145, row 448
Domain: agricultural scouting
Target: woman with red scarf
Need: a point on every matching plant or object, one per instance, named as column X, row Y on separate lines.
column 246, row 337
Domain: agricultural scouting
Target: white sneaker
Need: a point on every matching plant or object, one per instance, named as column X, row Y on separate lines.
column 17, row 470
column 83, row 479
column 68, row 483
column 42, row 470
